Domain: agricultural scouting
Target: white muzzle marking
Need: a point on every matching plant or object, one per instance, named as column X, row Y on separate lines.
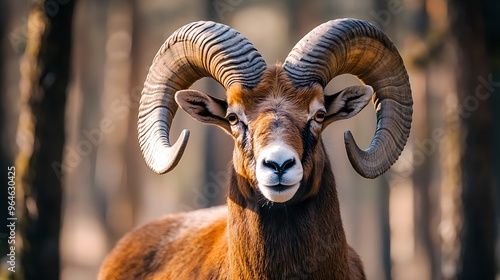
column 279, row 172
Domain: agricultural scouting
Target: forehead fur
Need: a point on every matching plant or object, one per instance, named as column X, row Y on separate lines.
column 276, row 86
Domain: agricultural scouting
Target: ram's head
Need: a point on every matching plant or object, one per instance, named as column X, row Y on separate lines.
column 276, row 114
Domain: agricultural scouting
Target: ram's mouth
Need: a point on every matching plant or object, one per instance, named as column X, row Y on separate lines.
column 279, row 193
column 280, row 187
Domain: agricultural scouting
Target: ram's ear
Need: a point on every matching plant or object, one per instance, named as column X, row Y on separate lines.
column 203, row 107
column 347, row 102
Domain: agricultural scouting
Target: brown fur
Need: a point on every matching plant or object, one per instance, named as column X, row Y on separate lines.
column 253, row 239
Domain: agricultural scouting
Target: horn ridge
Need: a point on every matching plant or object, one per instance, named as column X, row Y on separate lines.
column 196, row 50
column 350, row 46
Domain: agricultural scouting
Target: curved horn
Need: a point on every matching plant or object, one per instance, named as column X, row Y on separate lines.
column 359, row 48
column 196, row 50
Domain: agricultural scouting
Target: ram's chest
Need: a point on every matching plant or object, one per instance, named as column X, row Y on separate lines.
column 288, row 244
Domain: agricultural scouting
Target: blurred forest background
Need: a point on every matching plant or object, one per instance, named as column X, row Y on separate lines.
column 71, row 73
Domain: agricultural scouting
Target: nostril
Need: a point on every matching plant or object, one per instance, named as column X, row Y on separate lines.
column 277, row 168
column 272, row 165
column 287, row 164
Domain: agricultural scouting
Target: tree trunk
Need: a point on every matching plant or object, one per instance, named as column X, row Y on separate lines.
column 44, row 79
column 426, row 158
column 475, row 86
column 120, row 145
column 492, row 13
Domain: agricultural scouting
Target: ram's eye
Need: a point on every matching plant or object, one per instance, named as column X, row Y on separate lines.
column 232, row 118
column 319, row 117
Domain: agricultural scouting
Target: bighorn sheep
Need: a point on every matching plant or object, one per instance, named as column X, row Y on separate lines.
column 282, row 219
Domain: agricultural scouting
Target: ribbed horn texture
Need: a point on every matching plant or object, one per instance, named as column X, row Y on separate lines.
column 359, row 48
column 196, row 50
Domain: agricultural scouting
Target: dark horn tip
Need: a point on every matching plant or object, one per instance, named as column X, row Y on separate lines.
column 360, row 159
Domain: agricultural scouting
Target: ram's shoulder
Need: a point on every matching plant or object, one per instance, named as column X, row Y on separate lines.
column 150, row 248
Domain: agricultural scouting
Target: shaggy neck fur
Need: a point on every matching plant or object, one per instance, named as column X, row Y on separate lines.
column 300, row 241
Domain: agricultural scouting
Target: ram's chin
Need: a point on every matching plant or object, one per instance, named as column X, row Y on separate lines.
column 279, row 193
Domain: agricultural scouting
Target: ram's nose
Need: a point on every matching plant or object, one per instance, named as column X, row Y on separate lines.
column 279, row 166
